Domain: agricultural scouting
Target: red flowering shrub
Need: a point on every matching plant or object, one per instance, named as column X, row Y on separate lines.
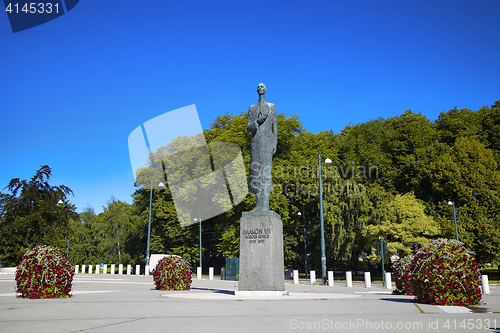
column 403, row 276
column 44, row 272
column 172, row 273
column 446, row 273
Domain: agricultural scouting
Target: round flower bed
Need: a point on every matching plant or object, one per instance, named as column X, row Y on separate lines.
column 44, row 272
column 172, row 273
column 446, row 273
column 403, row 276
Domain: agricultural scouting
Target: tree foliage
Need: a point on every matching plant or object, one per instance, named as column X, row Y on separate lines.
column 114, row 236
column 405, row 223
column 30, row 215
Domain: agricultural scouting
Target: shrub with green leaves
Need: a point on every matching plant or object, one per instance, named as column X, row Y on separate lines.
column 172, row 273
column 44, row 272
column 446, row 273
column 403, row 276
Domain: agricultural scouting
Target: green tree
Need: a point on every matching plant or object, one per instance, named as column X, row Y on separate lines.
column 489, row 120
column 364, row 146
column 30, row 215
column 347, row 210
column 113, row 236
column 457, row 123
column 117, row 222
column 408, row 138
column 86, row 239
column 407, row 133
column 468, row 175
column 404, row 223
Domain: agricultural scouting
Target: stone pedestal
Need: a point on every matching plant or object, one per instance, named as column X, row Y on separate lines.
column 261, row 252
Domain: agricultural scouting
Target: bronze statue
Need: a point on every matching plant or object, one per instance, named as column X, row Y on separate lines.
column 263, row 124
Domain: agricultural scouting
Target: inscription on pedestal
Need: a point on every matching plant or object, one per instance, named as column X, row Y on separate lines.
column 257, row 235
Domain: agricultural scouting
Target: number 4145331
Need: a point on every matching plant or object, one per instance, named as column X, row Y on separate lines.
column 33, row 8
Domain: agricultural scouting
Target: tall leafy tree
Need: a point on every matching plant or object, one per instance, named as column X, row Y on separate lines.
column 363, row 145
column 489, row 121
column 347, row 211
column 407, row 141
column 457, row 123
column 468, row 175
column 404, row 223
column 117, row 222
column 113, row 236
column 85, row 243
column 30, row 215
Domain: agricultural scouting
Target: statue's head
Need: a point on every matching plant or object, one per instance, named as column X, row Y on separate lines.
column 261, row 89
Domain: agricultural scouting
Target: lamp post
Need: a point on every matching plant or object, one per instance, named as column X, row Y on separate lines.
column 60, row 202
column 305, row 246
column 199, row 220
column 452, row 203
column 160, row 185
column 323, row 255
column 382, row 250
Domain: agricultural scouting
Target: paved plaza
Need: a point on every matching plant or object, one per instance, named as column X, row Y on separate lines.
column 121, row 303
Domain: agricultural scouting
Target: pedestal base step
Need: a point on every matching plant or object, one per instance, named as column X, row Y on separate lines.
column 261, row 293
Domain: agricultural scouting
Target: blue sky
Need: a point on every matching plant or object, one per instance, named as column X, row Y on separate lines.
column 73, row 89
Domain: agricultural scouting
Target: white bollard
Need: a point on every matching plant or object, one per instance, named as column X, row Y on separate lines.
column 313, row 277
column 76, row 268
column 112, row 269
column 137, row 269
column 485, row 283
column 330, row 278
column 120, row 269
column 295, row 276
column 198, row 273
column 388, row 282
column 348, row 279
column 368, row 280
column 83, row 269
column 97, row 269
column 105, row 269
column 210, row 273
column 90, row 269
column 146, row 270
column 129, row 269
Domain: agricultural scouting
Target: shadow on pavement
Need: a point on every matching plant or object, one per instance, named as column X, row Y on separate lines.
column 398, row 300
column 216, row 291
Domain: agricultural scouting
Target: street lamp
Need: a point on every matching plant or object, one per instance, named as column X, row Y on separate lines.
column 305, row 246
column 199, row 220
column 60, row 202
column 323, row 255
column 452, row 203
column 161, row 186
column 382, row 252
